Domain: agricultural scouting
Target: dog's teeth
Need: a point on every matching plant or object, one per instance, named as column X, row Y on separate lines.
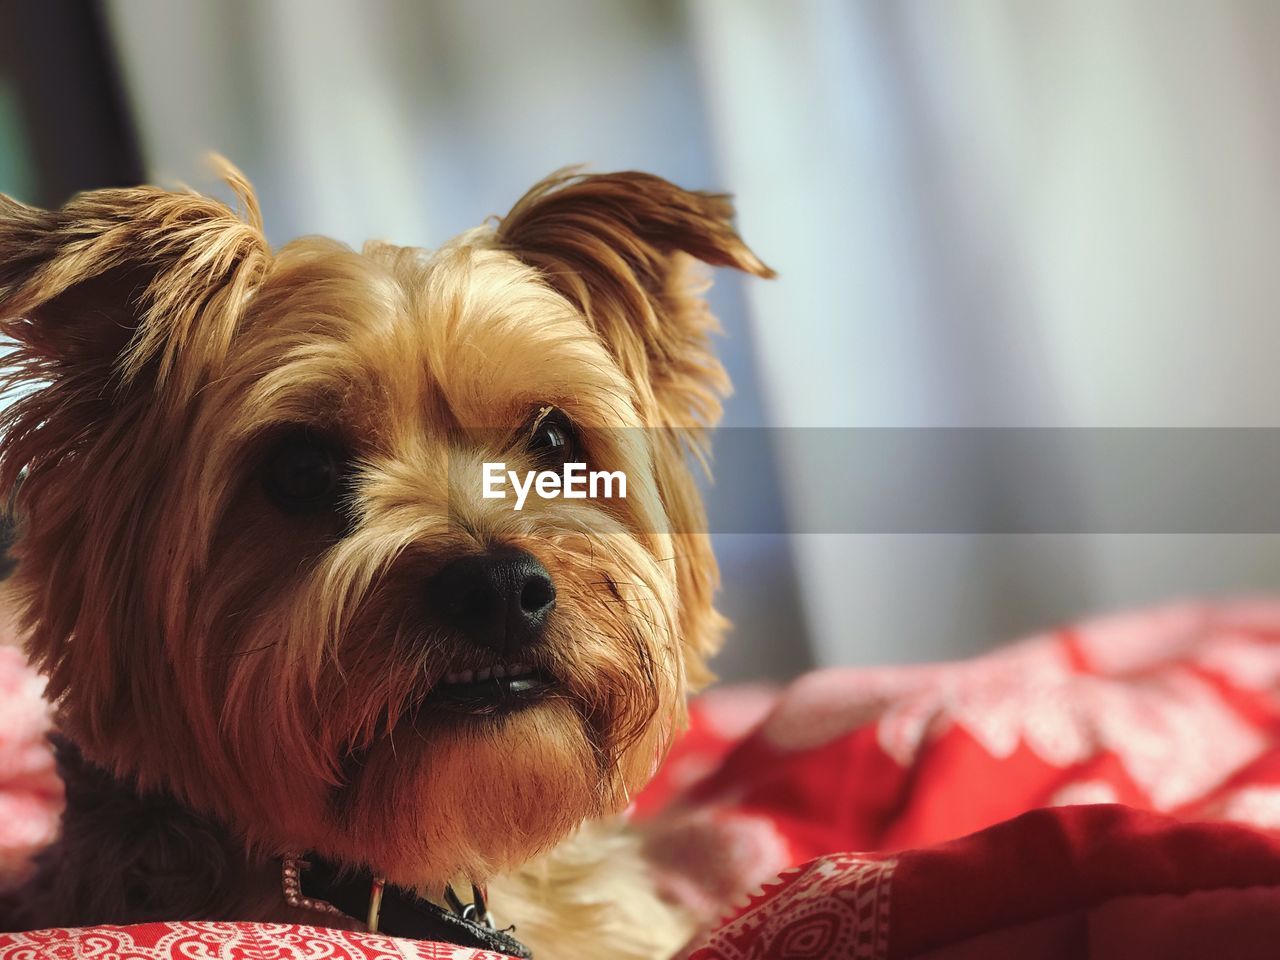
column 487, row 673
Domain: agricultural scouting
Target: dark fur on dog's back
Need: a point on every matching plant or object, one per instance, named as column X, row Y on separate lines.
column 125, row 857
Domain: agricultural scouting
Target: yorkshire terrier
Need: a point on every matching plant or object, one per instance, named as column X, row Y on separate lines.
column 304, row 669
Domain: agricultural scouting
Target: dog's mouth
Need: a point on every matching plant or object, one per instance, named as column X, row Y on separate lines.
column 491, row 690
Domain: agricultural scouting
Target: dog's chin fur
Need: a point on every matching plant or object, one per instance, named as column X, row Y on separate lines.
column 268, row 669
column 495, row 779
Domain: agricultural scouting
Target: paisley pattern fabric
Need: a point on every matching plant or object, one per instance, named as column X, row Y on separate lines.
column 223, row 941
column 837, row 906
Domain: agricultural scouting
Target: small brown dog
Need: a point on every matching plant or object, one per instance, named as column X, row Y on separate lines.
column 287, row 635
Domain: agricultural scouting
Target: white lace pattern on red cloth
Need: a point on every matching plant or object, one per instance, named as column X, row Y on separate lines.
column 832, row 909
column 224, row 941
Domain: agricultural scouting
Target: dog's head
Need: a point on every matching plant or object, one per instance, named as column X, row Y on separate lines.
column 256, row 560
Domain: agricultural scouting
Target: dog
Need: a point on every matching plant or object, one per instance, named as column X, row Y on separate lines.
column 298, row 660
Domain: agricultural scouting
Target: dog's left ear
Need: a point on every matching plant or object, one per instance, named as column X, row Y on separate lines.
column 118, row 297
column 114, row 283
column 620, row 247
column 116, row 309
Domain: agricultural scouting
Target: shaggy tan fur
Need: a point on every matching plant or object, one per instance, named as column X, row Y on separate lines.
column 201, row 642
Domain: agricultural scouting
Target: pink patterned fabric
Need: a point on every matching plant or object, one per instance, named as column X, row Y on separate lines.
column 1175, row 709
column 30, row 791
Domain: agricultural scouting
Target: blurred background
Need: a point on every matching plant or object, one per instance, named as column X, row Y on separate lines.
column 984, row 213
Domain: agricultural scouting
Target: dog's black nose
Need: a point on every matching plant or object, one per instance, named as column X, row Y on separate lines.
column 500, row 600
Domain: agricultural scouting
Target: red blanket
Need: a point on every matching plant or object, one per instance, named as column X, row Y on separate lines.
column 1147, row 748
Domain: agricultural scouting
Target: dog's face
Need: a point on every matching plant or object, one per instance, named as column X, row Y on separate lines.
column 255, row 557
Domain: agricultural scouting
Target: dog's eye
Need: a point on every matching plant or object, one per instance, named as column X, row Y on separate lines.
column 303, row 473
column 552, row 438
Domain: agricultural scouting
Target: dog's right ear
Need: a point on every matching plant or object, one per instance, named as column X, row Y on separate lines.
column 118, row 290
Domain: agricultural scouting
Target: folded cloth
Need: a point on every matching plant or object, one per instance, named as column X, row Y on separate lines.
column 1094, row 882
column 1174, row 710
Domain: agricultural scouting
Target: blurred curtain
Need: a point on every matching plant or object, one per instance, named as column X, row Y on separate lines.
column 16, row 176
column 1004, row 213
column 991, row 213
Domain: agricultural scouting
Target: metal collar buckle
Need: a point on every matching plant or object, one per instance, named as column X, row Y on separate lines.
column 291, row 867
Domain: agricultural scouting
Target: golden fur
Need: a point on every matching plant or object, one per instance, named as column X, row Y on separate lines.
column 201, row 642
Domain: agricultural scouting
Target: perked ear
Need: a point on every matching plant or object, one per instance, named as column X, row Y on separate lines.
column 109, row 292
column 620, row 246
column 117, row 308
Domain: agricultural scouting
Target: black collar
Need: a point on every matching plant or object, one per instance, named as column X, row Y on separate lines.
column 311, row 882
